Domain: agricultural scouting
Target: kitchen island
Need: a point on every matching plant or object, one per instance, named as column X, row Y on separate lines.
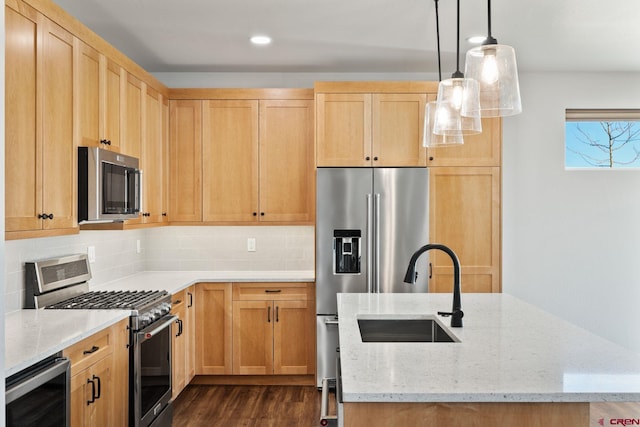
column 514, row 364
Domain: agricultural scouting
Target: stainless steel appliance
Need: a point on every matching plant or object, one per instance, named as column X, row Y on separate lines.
column 109, row 185
column 61, row 283
column 369, row 221
column 39, row 395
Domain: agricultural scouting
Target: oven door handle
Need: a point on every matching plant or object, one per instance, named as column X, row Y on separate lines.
column 156, row 327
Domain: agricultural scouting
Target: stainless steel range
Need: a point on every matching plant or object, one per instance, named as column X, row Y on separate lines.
column 62, row 283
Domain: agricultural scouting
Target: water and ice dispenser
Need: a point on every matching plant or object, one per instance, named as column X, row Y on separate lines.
column 346, row 251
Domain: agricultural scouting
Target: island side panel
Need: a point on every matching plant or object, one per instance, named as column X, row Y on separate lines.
column 376, row 414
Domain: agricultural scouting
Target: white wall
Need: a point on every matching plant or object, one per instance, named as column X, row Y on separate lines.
column 571, row 239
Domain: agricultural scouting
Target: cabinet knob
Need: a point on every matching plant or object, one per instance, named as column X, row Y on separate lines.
column 164, row 214
column 430, row 158
column 367, row 158
column 255, row 214
column 375, row 159
column 261, row 213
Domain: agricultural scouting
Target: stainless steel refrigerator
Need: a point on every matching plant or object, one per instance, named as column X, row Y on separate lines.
column 369, row 221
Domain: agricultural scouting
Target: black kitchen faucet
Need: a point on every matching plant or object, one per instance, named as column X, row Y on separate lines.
column 456, row 312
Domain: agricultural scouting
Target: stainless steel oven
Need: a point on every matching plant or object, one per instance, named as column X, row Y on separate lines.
column 39, row 395
column 150, row 380
column 61, row 283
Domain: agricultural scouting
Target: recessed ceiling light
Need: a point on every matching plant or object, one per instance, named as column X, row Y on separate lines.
column 476, row 39
column 261, row 40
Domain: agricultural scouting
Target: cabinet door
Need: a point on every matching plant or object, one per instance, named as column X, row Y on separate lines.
column 166, row 173
column 253, row 337
column 464, row 212
column 398, row 123
column 293, row 338
column 178, row 348
column 131, row 122
column 113, row 87
column 230, row 160
column 343, row 129
column 101, row 411
column 190, row 335
column 87, row 95
column 23, row 151
column 80, row 394
column 58, row 150
column 213, row 328
column 152, row 159
column 287, row 179
column 185, row 157
column 478, row 150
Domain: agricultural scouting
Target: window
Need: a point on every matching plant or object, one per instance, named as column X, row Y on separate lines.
column 602, row 139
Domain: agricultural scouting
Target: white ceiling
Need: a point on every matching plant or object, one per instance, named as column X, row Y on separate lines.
column 362, row 35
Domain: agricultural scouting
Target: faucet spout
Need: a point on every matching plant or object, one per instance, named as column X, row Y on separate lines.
column 456, row 311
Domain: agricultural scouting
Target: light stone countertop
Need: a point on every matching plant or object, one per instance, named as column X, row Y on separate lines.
column 32, row 335
column 509, row 351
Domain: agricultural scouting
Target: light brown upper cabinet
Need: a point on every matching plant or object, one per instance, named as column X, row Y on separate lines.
column 185, row 159
column 114, row 79
column 230, row 160
column 478, row 150
column 382, row 128
column 153, row 160
column 255, row 158
column 40, row 157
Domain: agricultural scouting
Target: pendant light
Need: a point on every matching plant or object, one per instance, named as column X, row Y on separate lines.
column 458, row 104
column 494, row 66
column 431, row 139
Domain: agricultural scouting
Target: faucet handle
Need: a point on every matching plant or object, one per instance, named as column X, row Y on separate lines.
column 456, row 317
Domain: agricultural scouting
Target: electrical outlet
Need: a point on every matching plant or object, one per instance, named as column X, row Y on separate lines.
column 91, row 254
column 138, row 247
column 251, row 244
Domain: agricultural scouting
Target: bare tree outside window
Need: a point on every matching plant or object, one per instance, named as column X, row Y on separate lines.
column 602, row 144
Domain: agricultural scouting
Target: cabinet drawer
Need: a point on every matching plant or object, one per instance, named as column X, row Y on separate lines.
column 271, row 291
column 178, row 300
column 90, row 350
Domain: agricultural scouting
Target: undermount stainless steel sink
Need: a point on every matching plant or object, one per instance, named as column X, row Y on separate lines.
column 403, row 330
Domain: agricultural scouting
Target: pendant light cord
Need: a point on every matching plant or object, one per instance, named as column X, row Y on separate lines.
column 438, row 41
column 489, row 39
column 458, row 74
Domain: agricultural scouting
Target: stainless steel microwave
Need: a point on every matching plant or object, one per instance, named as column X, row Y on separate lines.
column 109, row 185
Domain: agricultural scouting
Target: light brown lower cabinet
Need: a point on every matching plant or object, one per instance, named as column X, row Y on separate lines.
column 273, row 330
column 212, row 350
column 182, row 305
column 99, row 378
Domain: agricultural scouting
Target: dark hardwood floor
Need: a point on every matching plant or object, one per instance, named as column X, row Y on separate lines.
column 247, row 406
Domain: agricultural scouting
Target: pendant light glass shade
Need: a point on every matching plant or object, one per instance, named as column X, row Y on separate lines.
column 457, row 108
column 494, row 67
column 431, row 139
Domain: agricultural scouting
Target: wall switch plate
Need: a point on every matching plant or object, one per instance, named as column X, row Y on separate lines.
column 91, row 254
column 251, row 244
column 138, row 247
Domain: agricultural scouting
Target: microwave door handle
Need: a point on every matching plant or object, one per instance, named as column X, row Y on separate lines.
column 139, row 191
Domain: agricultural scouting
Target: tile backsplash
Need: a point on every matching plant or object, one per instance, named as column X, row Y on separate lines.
column 217, row 248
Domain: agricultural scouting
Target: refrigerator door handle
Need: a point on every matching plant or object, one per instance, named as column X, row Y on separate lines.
column 369, row 243
column 377, row 243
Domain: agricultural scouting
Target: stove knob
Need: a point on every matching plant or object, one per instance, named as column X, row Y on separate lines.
column 143, row 320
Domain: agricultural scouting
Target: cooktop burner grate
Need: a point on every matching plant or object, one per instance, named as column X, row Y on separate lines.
column 125, row 300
